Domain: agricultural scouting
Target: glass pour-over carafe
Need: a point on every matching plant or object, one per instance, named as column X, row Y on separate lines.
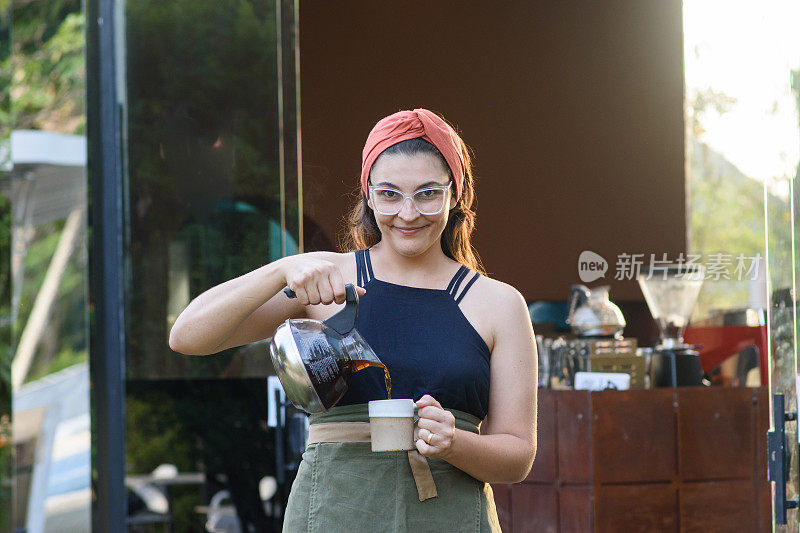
column 314, row 360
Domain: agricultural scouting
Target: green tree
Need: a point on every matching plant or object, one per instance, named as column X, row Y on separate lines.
column 726, row 209
column 41, row 87
column 6, row 449
column 47, row 65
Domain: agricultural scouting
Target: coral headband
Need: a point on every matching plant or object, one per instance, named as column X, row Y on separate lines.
column 416, row 124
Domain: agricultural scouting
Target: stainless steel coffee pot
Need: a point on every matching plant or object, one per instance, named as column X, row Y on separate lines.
column 314, row 360
column 592, row 314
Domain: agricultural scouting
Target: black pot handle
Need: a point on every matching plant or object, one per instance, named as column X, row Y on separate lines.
column 345, row 320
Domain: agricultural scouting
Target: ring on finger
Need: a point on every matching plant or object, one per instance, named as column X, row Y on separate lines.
column 430, row 436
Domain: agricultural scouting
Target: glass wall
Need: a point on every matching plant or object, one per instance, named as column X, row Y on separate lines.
column 782, row 263
column 44, row 176
column 743, row 148
column 783, row 267
column 212, row 179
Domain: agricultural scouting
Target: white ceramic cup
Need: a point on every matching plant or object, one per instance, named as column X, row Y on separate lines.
column 391, row 425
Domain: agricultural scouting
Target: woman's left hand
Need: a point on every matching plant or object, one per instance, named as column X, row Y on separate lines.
column 436, row 428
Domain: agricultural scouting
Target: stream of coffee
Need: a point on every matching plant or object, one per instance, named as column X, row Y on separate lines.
column 361, row 364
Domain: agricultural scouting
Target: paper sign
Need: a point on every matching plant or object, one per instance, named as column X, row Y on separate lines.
column 602, row 381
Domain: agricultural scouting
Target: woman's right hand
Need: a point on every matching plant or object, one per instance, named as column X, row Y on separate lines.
column 314, row 280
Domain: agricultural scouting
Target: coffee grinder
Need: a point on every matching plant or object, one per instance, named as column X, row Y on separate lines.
column 671, row 292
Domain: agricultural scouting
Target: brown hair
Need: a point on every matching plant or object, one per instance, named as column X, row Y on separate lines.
column 362, row 229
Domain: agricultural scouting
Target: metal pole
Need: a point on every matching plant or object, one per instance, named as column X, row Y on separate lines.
column 107, row 330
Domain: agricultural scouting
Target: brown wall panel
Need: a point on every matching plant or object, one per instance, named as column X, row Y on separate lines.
column 716, row 432
column 719, row 506
column 637, row 484
column 575, row 509
column 502, row 500
column 639, row 508
column 574, row 436
column 574, row 111
column 634, row 436
column 534, row 509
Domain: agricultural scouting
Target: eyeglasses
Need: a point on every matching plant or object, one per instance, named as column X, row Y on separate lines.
column 428, row 201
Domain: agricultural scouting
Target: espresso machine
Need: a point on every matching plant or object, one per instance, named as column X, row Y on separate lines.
column 671, row 292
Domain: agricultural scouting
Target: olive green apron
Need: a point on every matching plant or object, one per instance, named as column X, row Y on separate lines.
column 344, row 486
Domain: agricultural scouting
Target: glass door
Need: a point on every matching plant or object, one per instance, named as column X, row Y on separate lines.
column 743, row 147
column 782, row 269
column 213, row 191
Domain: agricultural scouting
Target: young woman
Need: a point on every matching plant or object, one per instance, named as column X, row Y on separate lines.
column 456, row 341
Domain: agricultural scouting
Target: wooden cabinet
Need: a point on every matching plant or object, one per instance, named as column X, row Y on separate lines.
column 684, row 459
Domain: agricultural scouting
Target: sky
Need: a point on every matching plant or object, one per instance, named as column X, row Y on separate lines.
column 747, row 50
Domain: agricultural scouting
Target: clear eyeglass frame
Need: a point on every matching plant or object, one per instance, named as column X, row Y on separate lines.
column 373, row 188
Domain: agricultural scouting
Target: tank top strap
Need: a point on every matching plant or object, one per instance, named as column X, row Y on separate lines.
column 452, row 288
column 362, row 272
column 467, row 286
column 369, row 265
column 361, row 269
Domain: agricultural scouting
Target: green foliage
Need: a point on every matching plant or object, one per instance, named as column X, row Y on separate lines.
column 5, row 74
column 67, row 322
column 48, row 66
column 216, row 426
column 726, row 213
column 39, row 253
column 64, row 359
column 43, row 76
column 6, row 448
column 156, row 434
column 726, row 210
column 702, row 103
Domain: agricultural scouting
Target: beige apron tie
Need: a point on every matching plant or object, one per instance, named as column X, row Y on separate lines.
column 359, row 432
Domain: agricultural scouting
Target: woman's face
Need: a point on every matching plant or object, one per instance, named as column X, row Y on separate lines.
column 408, row 232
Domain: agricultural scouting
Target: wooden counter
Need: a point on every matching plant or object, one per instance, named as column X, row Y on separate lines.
column 683, row 459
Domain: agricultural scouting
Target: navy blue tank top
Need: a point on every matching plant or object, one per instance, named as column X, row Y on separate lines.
column 425, row 341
